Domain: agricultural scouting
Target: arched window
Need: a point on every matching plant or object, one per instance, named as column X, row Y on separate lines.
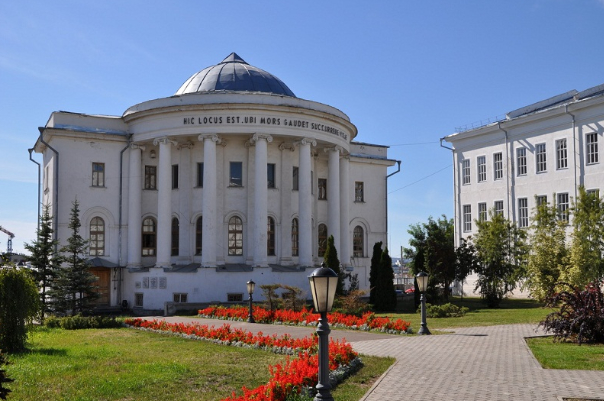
column 97, row 237
column 322, row 240
column 198, row 232
column 149, row 237
column 235, row 236
column 270, row 237
column 357, row 242
column 175, row 237
column 295, row 243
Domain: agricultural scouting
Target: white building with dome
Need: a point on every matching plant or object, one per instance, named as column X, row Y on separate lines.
column 186, row 198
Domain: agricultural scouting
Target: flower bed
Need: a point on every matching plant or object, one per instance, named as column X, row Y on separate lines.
column 337, row 320
column 294, row 376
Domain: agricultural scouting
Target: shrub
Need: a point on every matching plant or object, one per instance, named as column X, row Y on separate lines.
column 82, row 322
column 353, row 304
column 19, row 305
column 3, row 379
column 446, row 310
column 581, row 315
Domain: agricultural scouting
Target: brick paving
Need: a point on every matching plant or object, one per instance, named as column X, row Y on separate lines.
column 471, row 364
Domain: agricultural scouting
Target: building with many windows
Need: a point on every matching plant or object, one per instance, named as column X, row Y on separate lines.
column 186, row 198
column 539, row 153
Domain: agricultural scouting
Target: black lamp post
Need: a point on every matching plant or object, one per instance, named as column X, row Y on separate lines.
column 323, row 282
column 250, row 290
column 422, row 284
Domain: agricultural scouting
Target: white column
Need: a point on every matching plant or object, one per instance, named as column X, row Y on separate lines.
column 135, row 185
column 260, row 199
column 305, row 203
column 208, row 207
column 286, row 190
column 345, row 199
column 185, row 254
column 164, row 202
column 333, row 195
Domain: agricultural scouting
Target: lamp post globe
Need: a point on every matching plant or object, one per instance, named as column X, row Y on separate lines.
column 422, row 284
column 323, row 282
column 250, row 290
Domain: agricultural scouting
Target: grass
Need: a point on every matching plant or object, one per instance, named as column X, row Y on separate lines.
column 567, row 355
column 125, row 364
column 511, row 311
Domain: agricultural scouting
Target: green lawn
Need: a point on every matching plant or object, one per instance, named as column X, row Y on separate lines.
column 127, row 364
column 567, row 355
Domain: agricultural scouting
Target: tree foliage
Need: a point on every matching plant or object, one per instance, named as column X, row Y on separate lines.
column 3, row 379
column 331, row 261
column 73, row 289
column 385, row 297
column 373, row 270
column 19, row 305
column 501, row 252
column 586, row 263
column 548, row 255
column 44, row 258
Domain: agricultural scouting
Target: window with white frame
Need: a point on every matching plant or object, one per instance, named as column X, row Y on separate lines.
column 467, row 218
column 270, row 175
column 498, row 165
column 235, row 241
column 541, row 157
column 465, row 171
column 523, row 213
column 138, row 300
column 180, row 297
column 482, row 211
column 270, row 237
column 359, row 191
column 591, row 143
column 521, row 161
column 595, row 192
column 149, row 237
column 236, row 174
column 98, row 174
column 498, row 207
column 295, row 238
column 481, row 166
column 561, row 154
column 562, row 205
column 175, row 237
column 541, row 200
column 358, row 238
column 322, row 183
column 97, row 237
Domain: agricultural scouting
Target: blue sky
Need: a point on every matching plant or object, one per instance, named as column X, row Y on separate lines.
column 406, row 72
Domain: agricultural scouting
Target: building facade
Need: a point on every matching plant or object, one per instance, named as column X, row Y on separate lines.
column 543, row 152
column 186, row 198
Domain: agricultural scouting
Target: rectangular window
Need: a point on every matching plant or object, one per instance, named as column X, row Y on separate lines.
column 521, row 161
column 498, row 165
column 295, row 179
column 98, row 174
column 561, row 154
column 541, row 200
column 322, row 188
column 499, row 207
column 482, row 211
column 180, row 297
column 541, row 157
column 591, row 143
column 150, row 177
column 236, row 174
column 270, row 175
column 465, row 171
column 467, row 218
column 523, row 213
column 481, row 165
column 235, row 297
column 359, row 191
column 200, row 175
column 563, row 204
column 138, row 300
column 175, row 176
column 595, row 192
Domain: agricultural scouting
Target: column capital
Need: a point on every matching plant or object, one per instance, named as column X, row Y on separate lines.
column 185, row 145
column 287, row 145
column 165, row 140
column 212, row 137
column 336, row 148
column 135, row 146
column 256, row 137
column 306, row 141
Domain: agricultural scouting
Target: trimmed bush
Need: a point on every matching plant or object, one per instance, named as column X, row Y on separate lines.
column 446, row 310
column 82, row 322
column 19, row 305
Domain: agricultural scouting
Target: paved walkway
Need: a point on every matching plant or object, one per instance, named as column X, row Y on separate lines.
column 471, row 364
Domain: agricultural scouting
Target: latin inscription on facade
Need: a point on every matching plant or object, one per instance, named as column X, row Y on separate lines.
column 256, row 120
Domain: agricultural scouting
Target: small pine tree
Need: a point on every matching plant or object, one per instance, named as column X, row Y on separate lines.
column 3, row 379
column 332, row 262
column 373, row 270
column 385, row 299
column 74, row 287
column 44, row 258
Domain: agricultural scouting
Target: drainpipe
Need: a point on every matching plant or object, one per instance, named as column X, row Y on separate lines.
column 455, row 186
column 398, row 162
column 55, row 206
column 507, row 173
column 119, row 224
column 574, row 148
column 30, row 158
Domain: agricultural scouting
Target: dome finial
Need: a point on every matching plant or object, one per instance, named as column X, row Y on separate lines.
column 233, row 58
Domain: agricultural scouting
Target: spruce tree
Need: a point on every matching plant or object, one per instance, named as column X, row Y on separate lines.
column 331, row 261
column 373, row 270
column 385, row 298
column 44, row 258
column 74, row 287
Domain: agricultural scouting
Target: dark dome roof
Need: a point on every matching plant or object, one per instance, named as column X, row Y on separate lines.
column 234, row 74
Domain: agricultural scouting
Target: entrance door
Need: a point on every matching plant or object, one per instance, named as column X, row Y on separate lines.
column 103, row 283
